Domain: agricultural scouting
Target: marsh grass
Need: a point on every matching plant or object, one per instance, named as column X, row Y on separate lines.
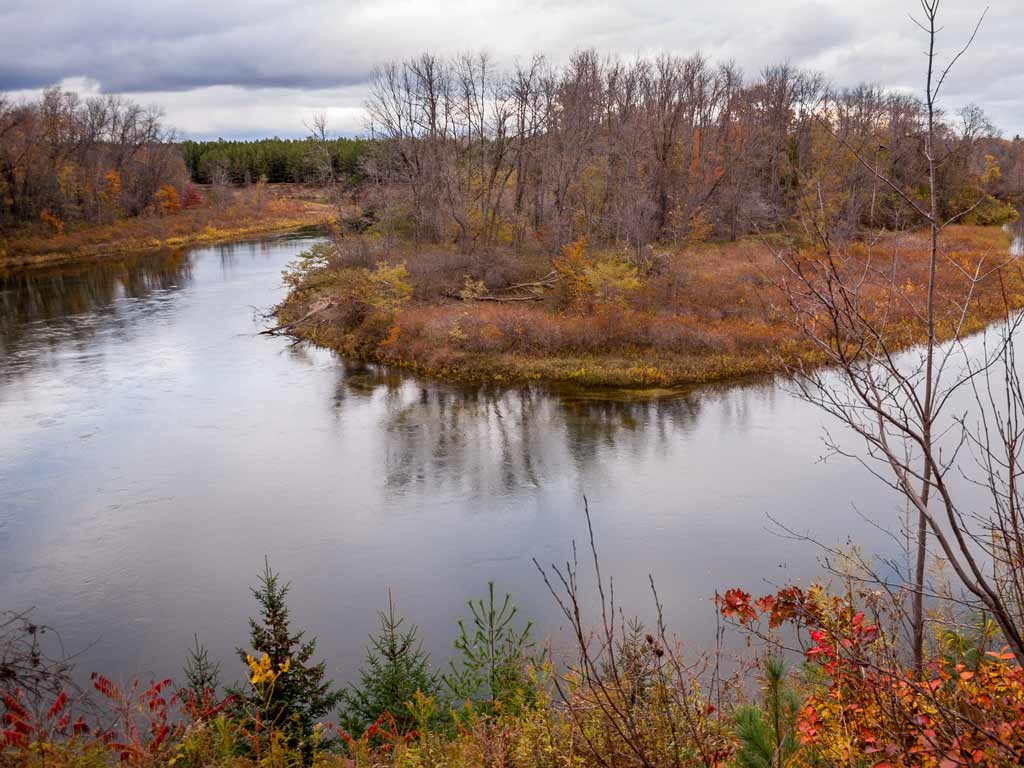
column 219, row 216
column 702, row 313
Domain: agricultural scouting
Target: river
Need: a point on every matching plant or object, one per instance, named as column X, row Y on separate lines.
column 154, row 448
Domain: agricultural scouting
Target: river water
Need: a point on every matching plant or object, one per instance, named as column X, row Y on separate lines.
column 154, row 448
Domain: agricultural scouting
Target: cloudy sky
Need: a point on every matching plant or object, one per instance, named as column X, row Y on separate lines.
column 255, row 67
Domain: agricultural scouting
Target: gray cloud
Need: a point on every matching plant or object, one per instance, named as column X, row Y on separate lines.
column 257, row 67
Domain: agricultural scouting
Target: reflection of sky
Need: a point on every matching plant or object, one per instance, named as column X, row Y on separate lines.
column 148, row 464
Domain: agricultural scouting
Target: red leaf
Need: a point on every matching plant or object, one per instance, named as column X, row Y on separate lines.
column 57, row 706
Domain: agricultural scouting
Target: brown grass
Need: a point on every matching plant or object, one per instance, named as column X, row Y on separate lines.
column 230, row 214
column 704, row 313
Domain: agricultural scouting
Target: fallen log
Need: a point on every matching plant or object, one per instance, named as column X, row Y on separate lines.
column 316, row 309
column 460, row 297
column 548, row 281
column 534, row 290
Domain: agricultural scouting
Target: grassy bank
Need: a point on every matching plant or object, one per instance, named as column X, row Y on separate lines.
column 699, row 313
column 219, row 215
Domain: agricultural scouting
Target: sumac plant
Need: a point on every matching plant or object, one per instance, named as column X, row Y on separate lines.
column 868, row 706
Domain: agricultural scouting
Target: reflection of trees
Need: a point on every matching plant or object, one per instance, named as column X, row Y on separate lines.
column 625, row 422
column 491, row 441
column 40, row 309
column 476, row 438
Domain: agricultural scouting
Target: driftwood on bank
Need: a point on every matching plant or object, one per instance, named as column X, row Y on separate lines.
column 530, row 291
column 317, row 308
column 486, row 297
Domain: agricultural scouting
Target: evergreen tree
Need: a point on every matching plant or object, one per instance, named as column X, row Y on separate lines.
column 768, row 733
column 493, row 653
column 396, row 668
column 303, row 694
column 202, row 676
column 279, row 160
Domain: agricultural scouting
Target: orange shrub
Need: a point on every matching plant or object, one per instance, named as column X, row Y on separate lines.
column 871, row 709
column 167, row 199
column 56, row 225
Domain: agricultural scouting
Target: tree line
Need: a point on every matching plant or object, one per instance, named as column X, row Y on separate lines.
column 65, row 158
column 461, row 150
column 662, row 148
column 316, row 159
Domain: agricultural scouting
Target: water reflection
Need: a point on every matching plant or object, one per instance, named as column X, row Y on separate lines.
column 155, row 447
column 492, row 441
column 67, row 291
column 44, row 311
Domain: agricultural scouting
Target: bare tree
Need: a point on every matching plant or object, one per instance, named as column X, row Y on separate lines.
column 319, row 156
column 901, row 406
column 76, row 159
column 632, row 678
column 654, row 149
column 34, row 665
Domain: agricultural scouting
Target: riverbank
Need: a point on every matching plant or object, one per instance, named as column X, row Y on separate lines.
column 219, row 216
column 706, row 312
column 638, row 699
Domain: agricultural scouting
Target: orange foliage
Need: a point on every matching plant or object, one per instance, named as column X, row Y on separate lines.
column 871, row 710
column 56, row 225
column 194, row 222
column 704, row 311
column 167, row 199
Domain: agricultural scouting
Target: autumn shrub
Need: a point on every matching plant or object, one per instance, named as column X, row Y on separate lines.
column 192, row 197
column 167, row 200
column 682, row 335
column 619, row 694
column 574, row 290
column 358, row 252
column 699, row 311
column 155, row 229
column 866, row 706
column 612, row 281
column 135, row 725
column 395, row 220
column 48, row 219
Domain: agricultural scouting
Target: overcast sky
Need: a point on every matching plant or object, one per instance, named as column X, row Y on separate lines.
column 258, row 68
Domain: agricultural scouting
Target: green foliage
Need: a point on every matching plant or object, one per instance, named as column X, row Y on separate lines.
column 767, row 733
column 304, row 694
column 493, row 654
column 385, row 287
column 300, row 269
column 968, row 645
column 612, row 280
column 218, row 742
column 279, row 160
column 395, row 670
column 202, row 676
column 392, row 286
column 989, row 212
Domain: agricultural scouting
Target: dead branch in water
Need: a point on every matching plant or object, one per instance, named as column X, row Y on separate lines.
column 316, row 309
